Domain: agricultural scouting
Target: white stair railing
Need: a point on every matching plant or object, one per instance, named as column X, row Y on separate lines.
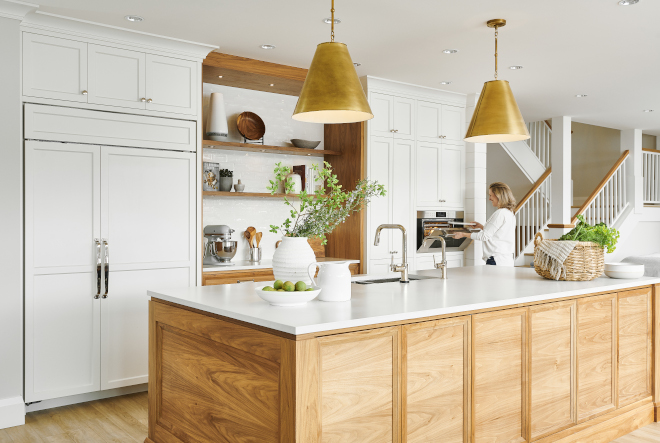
column 609, row 200
column 539, row 141
column 651, row 172
column 533, row 213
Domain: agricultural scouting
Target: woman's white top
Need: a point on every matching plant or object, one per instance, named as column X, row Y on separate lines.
column 499, row 237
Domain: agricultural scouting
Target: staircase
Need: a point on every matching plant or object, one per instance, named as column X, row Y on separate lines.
column 532, row 156
column 532, row 214
column 651, row 172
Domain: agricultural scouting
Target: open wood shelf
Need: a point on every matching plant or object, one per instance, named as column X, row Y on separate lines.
column 235, row 146
column 246, row 194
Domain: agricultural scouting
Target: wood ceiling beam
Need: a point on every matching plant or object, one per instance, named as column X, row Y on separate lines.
column 252, row 66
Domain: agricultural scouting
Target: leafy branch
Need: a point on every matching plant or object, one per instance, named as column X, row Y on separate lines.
column 322, row 211
column 600, row 233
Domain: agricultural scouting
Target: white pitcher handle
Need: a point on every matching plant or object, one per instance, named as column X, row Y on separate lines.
column 311, row 274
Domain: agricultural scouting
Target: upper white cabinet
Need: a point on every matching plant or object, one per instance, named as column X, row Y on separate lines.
column 439, row 122
column 393, row 116
column 116, row 77
column 62, row 69
column 439, row 175
column 54, row 68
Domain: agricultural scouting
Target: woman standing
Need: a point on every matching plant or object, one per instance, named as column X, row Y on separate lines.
column 499, row 234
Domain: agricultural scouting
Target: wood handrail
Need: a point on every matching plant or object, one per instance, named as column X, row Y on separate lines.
column 654, row 151
column 600, row 186
column 531, row 192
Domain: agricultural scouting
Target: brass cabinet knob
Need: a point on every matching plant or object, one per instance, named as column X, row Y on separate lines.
column 149, row 101
column 84, row 93
column 143, row 99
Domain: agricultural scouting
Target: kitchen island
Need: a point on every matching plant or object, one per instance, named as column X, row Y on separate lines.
column 489, row 355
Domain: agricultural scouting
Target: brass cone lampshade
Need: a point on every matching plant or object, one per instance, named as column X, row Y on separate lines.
column 496, row 117
column 332, row 92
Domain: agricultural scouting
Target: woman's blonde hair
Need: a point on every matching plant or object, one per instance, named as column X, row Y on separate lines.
column 504, row 195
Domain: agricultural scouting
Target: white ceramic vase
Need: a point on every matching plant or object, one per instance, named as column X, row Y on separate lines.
column 292, row 258
column 216, row 125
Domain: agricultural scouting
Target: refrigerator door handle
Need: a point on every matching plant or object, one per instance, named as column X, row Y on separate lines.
column 98, row 269
column 107, row 266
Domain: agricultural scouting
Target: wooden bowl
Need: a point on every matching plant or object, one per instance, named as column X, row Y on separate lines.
column 251, row 126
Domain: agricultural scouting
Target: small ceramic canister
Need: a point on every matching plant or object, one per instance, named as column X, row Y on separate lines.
column 239, row 187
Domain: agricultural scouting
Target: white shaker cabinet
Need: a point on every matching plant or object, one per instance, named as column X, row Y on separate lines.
column 380, row 208
column 171, row 85
column 54, row 68
column 116, row 77
column 439, row 175
column 438, row 122
column 393, row 116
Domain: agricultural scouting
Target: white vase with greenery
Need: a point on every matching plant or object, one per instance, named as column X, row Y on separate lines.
column 317, row 214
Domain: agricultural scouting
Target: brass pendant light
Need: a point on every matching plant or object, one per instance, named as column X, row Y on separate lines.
column 332, row 92
column 496, row 117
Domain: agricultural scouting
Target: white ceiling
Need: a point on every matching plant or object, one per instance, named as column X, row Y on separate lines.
column 567, row 47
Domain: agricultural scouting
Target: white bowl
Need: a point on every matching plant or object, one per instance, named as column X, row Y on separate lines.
column 294, row 298
column 624, row 270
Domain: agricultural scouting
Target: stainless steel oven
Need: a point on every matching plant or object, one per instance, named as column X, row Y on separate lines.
column 447, row 221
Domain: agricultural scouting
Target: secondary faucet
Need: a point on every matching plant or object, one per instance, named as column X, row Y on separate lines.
column 403, row 267
column 439, row 234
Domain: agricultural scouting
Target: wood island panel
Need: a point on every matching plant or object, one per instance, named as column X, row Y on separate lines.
column 552, row 368
column 596, row 355
column 435, row 378
column 359, row 384
column 499, row 376
column 635, row 347
column 656, row 353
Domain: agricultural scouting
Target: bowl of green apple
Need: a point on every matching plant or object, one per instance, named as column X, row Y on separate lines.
column 287, row 293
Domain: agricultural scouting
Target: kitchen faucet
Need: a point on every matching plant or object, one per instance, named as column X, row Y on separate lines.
column 439, row 234
column 403, row 267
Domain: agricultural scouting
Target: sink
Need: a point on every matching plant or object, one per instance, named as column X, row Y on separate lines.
column 372, row 281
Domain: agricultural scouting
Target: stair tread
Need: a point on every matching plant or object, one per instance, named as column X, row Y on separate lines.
column 529, row 254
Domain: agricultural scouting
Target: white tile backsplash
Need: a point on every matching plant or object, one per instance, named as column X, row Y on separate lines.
column 255, row 169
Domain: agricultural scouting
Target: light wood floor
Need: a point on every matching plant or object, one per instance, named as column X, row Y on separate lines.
column 119, row 419
column 124, row 419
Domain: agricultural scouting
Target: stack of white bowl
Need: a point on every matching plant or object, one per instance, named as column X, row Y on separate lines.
column 624, row 270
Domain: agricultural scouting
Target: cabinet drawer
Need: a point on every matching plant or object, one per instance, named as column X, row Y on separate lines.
column 231, row 277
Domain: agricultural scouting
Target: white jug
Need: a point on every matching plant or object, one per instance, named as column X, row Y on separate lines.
column 334, row 279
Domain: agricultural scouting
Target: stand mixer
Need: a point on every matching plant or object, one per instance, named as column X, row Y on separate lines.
column 220, row 248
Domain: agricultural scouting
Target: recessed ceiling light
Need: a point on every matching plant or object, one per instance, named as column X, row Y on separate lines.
column 515, row 67
column 580, row 95
column 219, row 76
column 272, row 84
column 628, row 2
column 450, row 51
column 648, row 110
column 267, row 46
column 329, row 21
column 445, row 83
column 133, row 18
column 357, row 64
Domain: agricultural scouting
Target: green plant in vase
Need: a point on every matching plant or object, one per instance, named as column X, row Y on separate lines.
column 226, row 180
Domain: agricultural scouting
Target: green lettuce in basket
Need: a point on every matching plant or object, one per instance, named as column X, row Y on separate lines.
column 600, row 233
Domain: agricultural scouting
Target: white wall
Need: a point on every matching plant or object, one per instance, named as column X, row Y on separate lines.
column 255, row 169
column 11, row 236
column 642, row 238
column 501, row 168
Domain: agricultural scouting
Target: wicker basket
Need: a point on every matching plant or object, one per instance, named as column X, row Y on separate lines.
column 586, row 262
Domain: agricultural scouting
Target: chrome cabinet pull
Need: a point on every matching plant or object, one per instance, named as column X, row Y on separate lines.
column 107, row 266
column 84, row 93
column 98, row 268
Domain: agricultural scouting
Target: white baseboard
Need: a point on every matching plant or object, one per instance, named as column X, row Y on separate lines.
column 12, row 412
column 82, row 398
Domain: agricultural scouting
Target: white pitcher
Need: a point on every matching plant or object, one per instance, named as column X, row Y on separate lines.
column 334, row 279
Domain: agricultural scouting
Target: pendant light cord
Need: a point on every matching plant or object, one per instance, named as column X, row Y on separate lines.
column 495, row 51
column 332, row 22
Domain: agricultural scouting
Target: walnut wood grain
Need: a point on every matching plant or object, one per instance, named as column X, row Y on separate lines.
column 552, row 368
column 249, row 65
column 596, row 355
column 359, row 387
column 270, row 149
column 347, row 240
column 635, row 346
column 435, row 375
column 499, row 377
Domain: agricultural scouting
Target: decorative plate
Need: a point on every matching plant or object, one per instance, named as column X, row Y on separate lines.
column 251, row 126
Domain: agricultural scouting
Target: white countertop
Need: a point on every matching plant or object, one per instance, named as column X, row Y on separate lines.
column 240, row 265
column 466, row 289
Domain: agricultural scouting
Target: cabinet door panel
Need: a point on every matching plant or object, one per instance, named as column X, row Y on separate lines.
column 427, row 175
column 116, row 77
column 596, row 355
column 62, row 336
column 54, row 68
column 403, row 121
column 171, row 85
column 435, row 365
column 400, row 188
column 552, row 366
column 452, row 123
column 451, row 176
column 499, row 373
column 379, row 209
column 635, row 317
column 429, row 116
column 359, row 388
column 382, row 107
